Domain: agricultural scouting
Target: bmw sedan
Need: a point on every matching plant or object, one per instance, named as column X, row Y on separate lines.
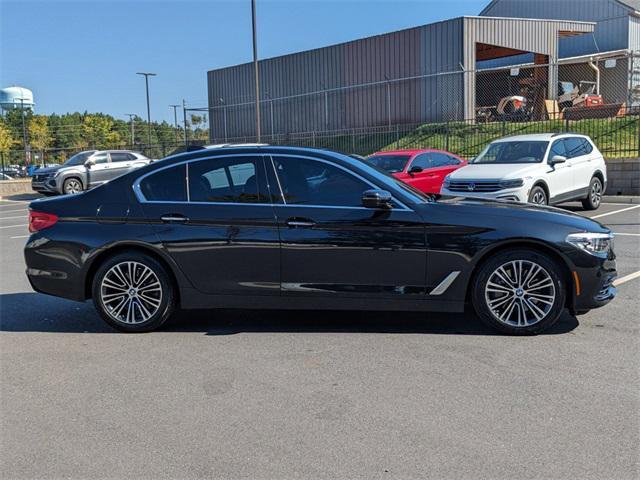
column 293, row 228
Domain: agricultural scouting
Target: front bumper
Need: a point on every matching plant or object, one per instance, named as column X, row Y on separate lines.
column 593, row 287
column 47, row 185
column 518, row 194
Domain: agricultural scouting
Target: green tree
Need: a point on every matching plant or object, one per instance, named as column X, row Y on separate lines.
column 98, row 132
column 39, row 135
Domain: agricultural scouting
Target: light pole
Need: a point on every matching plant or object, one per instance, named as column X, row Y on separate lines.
column 175, row 120
column 131, row 117
column 184, row 115
column 146, row 81
column 24, row 131
column 255, row 68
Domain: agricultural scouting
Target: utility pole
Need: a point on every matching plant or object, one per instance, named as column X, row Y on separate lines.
column 131, row 117
column 255, row 68
column 24, row 130
column 175, row 119
column 146, row 81
column 184, row 115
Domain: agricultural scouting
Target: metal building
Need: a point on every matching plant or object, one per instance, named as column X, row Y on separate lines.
column 421, row 74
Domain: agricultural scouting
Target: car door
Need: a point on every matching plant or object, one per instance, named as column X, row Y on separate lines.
column 582, row 163
column 421, row 180
column 442, row 165
column 215, row 219
column 332, row 246
column 99, row 171
column 120, row 164
column 560, row 176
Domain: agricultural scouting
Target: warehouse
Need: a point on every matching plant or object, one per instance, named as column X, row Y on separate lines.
column 418, row 75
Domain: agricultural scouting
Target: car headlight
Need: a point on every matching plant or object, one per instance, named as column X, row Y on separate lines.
column 598, row 244
column 515, row 183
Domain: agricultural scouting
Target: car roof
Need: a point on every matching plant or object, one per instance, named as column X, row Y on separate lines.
column 546, row 137
column 411, row 151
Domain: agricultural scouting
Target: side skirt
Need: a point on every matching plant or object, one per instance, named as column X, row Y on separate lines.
column 570, row 196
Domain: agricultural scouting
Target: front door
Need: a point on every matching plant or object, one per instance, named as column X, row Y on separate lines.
column 560, row 176
column 99, row 172
column 332, row 246
column 221, row 230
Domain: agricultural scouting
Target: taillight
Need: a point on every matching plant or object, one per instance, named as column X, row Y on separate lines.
column 41, row 220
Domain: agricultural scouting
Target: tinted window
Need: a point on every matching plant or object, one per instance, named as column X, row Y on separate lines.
column 78, row 158
column 100, row 158
column 513, row 152
column 441, row 159
column 311, row 182
column 167, row 185
column 557, row 149
column 588, row 148
column 389, row 163
column 131, row 156
column 575, row 147
column 231, row 179
column 424, row 161
column 119, row 157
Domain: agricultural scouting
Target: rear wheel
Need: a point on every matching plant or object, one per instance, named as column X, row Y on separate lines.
column 133, row 292
column 71, row 186
column 519, row 292
column 538, row 196
column 593, row 199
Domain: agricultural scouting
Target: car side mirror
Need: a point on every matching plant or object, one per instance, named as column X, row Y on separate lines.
column 380, row 199
column 89, row 163
column 557, row 159
column 415, row 169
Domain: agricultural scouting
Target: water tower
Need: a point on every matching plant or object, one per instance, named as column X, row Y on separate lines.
column 16, row 98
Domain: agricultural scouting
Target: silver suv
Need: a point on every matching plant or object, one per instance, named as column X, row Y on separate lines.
column 86, row 170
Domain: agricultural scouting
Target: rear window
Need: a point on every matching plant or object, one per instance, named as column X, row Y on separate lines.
column 168, row 185
column 389, row 163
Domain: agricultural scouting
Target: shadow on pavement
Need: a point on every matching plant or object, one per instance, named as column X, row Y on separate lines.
column 33, row 312
column 22, row 197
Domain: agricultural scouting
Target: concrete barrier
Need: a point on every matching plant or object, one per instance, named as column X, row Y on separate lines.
column 623, row 176
column 15, row 187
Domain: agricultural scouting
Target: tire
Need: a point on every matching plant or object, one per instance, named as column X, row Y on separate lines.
column 537, row 301
column 538, row 196
column 147, row 302
column 71, row 186
column 594, row 197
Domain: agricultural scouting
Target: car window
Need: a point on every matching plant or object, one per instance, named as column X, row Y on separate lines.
column 557, row 148
column 168, row 185
column 230, row 180
column 424, row 161
column 100, row 158
column 131, row 156
column 312, row 182
column 441, row 159
column 575, row 147
column 588, row 148
column 453, row 160
column 389, row 162
column 119, row 157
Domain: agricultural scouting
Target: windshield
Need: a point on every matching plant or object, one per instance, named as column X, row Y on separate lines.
column 513, row 152
column 78, row 158
column 389, row 163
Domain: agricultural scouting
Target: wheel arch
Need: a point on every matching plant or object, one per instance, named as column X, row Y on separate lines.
column 600, row 176
column 528, row 244
column 130, row 247
column 74, row 175
column 541, row 183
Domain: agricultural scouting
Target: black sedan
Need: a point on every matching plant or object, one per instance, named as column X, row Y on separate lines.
column 294, row 228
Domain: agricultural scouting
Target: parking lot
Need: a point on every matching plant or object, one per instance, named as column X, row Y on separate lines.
column 261, row 394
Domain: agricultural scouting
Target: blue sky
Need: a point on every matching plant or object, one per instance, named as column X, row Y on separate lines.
column 83, row 54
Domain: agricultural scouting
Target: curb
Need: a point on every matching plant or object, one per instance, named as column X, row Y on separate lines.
column 633, row 199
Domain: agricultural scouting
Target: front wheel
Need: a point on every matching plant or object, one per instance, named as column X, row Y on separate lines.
column 133, row 292
column 593, row 199
column 538, row 196
column 71, row 186
column 519, row 292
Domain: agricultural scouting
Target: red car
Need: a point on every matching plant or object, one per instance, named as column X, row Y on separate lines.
column 423, row 169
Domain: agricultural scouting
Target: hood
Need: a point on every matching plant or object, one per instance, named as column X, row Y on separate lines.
column 46, row 170
column 527, row 212
column 494, row 172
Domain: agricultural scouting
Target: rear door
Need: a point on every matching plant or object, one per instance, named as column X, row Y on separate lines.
column 215, row 219
column 582, row 153
column 120, row 164
column 442, row 165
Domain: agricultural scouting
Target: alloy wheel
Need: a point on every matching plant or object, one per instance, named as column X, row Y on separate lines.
column 131, row 292
column 73, row 186
column 520, row 293
column 539, row 198
column 596, row 193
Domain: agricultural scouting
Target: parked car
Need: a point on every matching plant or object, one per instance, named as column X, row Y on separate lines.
column 4, row 176
column 546, row 169
column 422, row 169
column 86, row 170
column 293, row 228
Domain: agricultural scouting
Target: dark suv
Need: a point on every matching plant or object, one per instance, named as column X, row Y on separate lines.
column 86, row 170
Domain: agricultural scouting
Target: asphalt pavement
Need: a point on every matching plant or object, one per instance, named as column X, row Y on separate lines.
column 261, row 395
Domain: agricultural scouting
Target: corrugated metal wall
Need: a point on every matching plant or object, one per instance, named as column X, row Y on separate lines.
column 611, row 32
column 350, row 85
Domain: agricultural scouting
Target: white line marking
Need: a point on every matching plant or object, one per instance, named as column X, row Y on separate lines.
column 20, row 236
column 8, row 218
column 616, row 211
column 14, row 202
column 14, row 226
column 14, row 211
column 626, row 278
column 627, row 234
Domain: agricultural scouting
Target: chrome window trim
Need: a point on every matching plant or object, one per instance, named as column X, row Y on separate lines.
column 140, row 196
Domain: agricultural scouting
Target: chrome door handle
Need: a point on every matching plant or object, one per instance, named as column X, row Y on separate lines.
column 300, row 223
column 174, row 218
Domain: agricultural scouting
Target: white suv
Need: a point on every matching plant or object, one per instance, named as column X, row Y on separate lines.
column 546, row 169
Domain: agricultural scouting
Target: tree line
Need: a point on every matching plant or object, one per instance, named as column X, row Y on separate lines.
column 54, row 138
